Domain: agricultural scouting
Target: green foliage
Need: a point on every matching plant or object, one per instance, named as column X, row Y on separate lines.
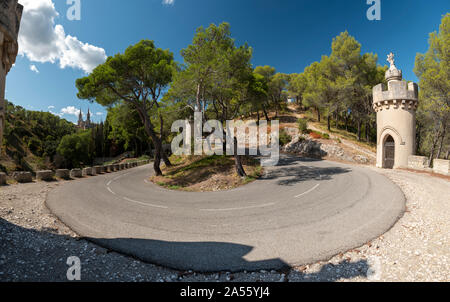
column 285, row 138
column 127, row 129
column 302, row 125
column 217, row 76
column 433, row 70
column 77, row 149
column 31, row 137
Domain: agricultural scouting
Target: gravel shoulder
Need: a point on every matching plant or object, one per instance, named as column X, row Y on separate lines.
column 35, row 245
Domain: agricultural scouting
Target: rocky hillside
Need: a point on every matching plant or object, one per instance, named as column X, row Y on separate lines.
column 31, row 138
column 331, row 149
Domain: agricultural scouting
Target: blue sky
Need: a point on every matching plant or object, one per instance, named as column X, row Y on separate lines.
column 286, row 34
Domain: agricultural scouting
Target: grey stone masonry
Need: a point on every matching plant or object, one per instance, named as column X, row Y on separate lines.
column 441, row 166
column 116, row 167
column 87, row 171
column 46, row 175
column 98, row 170
column 2, row 178
column 23, row 177
column 418, row 162
column 63, row 173
column 76, row 173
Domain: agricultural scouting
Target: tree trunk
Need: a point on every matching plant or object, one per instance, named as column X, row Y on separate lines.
column 156, row 140
column 368, row 132
column 433, row 147
column 346, row 123
column 165, row 158
column 318, row 114
column 259, row 118
column 329, row 122
column 265, row 114
column 337, row 120
column 359, row 130
column 441, row 144
column 238, row 160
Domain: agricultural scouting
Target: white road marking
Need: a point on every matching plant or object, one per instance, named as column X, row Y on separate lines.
column 144, row 204
column 243, row 208
column 309, row 191
column 109, row 189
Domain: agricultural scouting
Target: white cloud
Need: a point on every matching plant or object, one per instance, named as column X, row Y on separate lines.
column 99, row 113
column 70, row 110
column 42, row 41
column 51, row 107
column 168, row 2
column 34, row 68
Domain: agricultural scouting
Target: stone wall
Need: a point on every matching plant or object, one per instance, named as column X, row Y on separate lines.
column 418, row 162
column 441, row 166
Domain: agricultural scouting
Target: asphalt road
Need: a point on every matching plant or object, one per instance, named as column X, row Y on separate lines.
column 301, row 212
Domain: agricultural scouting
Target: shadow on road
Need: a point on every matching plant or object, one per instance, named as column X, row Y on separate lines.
column 41, row 255
column 196, row 256
column 290, row 173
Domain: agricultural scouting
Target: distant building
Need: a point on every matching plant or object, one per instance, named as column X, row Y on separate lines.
column 85, row 124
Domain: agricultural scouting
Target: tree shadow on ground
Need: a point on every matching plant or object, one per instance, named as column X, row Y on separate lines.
column 295, row 170
column 43, row 255
column 332, row 273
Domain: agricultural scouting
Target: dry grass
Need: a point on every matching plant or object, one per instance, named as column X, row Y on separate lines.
column 206, row 173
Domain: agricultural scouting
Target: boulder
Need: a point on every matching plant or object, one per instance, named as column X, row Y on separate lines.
column 98, row 170
column 87, row 172
column 76, row 173
column 63, row 174
column 23, row 177
column 46, row 175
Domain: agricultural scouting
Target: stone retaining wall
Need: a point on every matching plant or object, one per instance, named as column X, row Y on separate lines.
column 76, row 173
column 98, row 170
column 87, row 172
column 46, row 175
column 441, row 166
column 63, row 173
column 418, row 162
column 22, row 177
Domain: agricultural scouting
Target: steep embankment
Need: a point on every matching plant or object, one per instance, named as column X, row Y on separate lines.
column 31, row 138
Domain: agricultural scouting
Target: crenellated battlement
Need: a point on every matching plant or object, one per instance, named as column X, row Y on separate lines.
column 398, row 94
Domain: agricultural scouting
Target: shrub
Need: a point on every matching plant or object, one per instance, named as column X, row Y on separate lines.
column 285, row 138
column 302, row 126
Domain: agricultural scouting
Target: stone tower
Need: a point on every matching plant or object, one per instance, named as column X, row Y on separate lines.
column 10, row 16
column 396, row 118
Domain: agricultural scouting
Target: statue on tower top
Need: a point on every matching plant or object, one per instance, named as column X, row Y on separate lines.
column 391, row 60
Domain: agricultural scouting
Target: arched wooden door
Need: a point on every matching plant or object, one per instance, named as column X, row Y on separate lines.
column 389, row 153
